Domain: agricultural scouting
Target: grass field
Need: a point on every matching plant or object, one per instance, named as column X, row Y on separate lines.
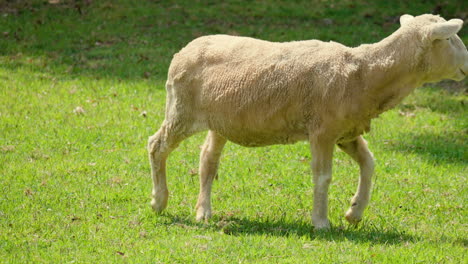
column 82, row 88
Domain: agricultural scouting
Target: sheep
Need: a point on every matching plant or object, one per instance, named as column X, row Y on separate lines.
column 257, row 93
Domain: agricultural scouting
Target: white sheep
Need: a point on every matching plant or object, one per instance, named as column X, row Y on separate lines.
column 257, row 93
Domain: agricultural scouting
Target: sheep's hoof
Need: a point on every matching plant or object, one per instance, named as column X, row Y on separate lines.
column 203, row 215
column 159, row 201
column 321, row 225
column 352, row 218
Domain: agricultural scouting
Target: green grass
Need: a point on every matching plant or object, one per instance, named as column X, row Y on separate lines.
column 75, row 187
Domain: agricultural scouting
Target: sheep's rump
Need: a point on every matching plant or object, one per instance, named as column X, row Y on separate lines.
column 251, row 91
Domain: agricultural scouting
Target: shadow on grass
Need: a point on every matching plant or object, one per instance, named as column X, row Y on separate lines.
column 440, row 97
column 242, row 226
column 280, row 228
column 102, row 38
column 448, row 148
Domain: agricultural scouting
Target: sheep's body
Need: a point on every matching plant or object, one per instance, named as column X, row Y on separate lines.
column 258, row 93
column 273, row 99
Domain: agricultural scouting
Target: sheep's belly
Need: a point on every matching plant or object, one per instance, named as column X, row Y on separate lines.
column 355, row 131
column 258, row 139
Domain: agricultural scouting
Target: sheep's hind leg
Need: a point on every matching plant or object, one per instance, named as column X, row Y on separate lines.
column 160, row 145
column 209, row 161
column 360, row 153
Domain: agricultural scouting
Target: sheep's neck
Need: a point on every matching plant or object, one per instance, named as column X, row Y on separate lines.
column 390, row 72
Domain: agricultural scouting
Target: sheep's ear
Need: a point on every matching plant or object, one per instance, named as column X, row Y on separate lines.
column 446, row 29
column 404, row 19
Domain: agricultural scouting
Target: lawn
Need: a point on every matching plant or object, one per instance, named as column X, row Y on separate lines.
column 82, row 89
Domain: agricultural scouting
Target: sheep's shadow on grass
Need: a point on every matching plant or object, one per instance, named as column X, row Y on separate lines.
column 281, row 228
column 244, row 226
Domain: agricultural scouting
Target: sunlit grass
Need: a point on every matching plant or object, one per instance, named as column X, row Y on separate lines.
column 80, row 94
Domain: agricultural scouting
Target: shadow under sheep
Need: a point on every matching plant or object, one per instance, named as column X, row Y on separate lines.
column 244, row 226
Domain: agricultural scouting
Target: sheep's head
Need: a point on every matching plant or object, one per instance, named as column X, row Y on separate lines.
column 445, row 55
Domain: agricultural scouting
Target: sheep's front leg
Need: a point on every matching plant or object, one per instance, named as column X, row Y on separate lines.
column 358, row 150
column 209, row 160
column 322, row 155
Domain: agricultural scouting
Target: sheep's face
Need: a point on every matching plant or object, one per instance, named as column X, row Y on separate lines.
column 449, row 58
column 445, row 56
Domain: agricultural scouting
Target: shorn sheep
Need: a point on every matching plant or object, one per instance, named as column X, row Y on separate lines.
column 258, row 93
